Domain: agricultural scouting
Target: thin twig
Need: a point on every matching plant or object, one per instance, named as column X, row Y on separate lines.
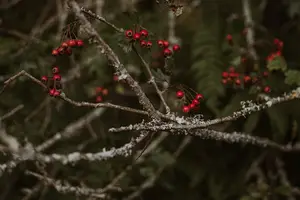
column 67, row 188
column 79, row 104
column 141, row 159
column 12, row 112
column 151, row 180
column 152, row 80
column 102, row 19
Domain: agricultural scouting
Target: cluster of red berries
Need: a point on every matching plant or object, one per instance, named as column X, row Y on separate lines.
column 100, row 92
column 166, row 50
column 53, row 82
column 66, row 47
column 232, row 77
column 193, row 105
column 278, row 49
column 277, row 52
column 142, row 37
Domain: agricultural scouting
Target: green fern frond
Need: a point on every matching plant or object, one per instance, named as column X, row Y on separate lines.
column 207, row 67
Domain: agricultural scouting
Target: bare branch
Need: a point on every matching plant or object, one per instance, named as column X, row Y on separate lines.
column 195, row 123
column 113, row 58
column 250, row 36
column 148, row 183
column 67, row 188
column 102, row 19
column 63, row 96
column 12, row 112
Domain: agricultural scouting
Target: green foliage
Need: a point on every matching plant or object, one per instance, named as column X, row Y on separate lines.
column 251, row 122
column 163, row 158
column 292, row 77
column 234, row 104
column 206, row 67
column 279, row 121
column 278, row 63
column 283, row 190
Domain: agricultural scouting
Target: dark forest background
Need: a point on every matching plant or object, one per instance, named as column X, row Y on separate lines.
column 204, row 169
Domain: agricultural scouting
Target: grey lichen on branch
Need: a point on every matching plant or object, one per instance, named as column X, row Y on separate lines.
column 197, row 124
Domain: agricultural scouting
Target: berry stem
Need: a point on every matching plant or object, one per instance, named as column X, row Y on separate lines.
column 152, row 80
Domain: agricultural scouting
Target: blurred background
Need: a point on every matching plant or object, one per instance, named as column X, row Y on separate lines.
column 177, row 167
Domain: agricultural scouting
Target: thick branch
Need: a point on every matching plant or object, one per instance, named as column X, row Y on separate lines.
column 197, row 124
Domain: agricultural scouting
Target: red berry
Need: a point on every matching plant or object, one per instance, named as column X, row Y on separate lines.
column 280, row 45
column 98, row 99
column 231, row 69
column 199, row 96
column 179, row 94
column 64, row 45
column 278, row 53
column 79, row 43
column 166, row 44
column 225, row 74
column 136, row 36
column 196, row 102
column 69, row 51
column 55, row 52
column 192, row 106
column 276, row 41
column 265, row 74
column 128, row 33
column 143, row 43
column 149, row 44
column 267, row 89
column 44, row 78
column 61, row 50
column 115, row 78
column 56, row 93
column 247, row 79
column 55, row 70
column 105, row 92
column 52, row 92
column 176, row 47
column 144, row 33
column 71, row 43
column 224, row 81
column 270, row 57
column 243, row 60
column 245, row 31
column 167, row 52
column 229, row 37
column 160, row 43
column 186, row 109
column 233, row 74
column 56, row 77
column 237, row 81
column 98, row 89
